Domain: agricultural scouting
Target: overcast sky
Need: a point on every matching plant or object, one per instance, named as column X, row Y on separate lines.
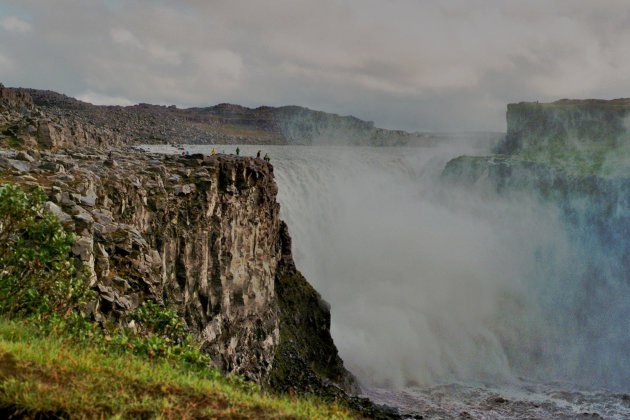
column 410, row 64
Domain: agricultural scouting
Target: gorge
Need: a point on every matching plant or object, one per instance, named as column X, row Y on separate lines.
column 480, row 285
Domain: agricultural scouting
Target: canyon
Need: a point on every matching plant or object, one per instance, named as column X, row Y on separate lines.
column 203, row 233
column 198, row 233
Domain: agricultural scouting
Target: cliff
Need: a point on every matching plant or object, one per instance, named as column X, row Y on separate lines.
column 578, row 130
column 576, row 137
column 220, row 124
column 14, row 99
column 574, row 154
column 198, row 233
column 23, row 124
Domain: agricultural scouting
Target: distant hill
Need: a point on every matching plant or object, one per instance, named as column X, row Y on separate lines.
column 226, row 124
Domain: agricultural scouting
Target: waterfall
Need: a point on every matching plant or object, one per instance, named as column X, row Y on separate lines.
column 431, row 284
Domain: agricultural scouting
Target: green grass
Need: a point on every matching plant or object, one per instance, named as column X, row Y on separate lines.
column 51, row 374
column 56, row 363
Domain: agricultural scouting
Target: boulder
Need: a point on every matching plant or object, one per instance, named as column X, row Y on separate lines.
column 22, row 155
column 47, row 136
column 12, row 164
column 56, row 210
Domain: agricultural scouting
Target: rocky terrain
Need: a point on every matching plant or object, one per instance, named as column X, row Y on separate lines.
column 23, row 124
column 220, row 124
column 200, row 233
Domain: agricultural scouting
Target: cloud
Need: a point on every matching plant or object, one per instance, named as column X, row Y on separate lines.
column 222, row 66
column 124, row 37
column 102, row 99
column 15, row 24
column 7, row 65
column 411, row 64
column 154, row 50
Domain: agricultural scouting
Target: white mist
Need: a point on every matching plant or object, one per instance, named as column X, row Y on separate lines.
column 421, row 281
column 430, row 284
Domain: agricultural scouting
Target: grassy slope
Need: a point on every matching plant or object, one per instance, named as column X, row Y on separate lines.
column 51, row 376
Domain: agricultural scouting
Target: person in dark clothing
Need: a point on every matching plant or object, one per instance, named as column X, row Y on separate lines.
column 267, row 158
column 258, row 154
column 238, row 151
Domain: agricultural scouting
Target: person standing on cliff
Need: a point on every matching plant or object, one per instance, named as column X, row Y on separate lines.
column 238, row 151
column 258, row 154
column 267, row 158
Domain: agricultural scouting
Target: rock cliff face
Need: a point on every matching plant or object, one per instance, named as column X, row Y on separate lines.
column 566, row 124
column 14, row 99
column 574, row 154
column 199, row 233
column 24, row 124
column 211, row 232
column 577, row 138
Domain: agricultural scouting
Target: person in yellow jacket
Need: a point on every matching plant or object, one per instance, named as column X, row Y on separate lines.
column 213, row 152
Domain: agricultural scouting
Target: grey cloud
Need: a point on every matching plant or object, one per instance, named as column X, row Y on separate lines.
column 412, row 64
column 15, row 24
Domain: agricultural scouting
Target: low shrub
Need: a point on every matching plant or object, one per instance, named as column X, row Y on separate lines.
column 160, row 320
column 38, row 275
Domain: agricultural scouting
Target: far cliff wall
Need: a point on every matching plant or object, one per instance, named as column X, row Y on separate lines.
column 534, row 127
column 574, row 154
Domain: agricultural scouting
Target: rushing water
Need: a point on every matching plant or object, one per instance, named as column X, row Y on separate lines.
column 447, row 302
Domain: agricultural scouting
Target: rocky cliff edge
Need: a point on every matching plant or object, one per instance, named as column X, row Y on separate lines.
column 198, row 233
